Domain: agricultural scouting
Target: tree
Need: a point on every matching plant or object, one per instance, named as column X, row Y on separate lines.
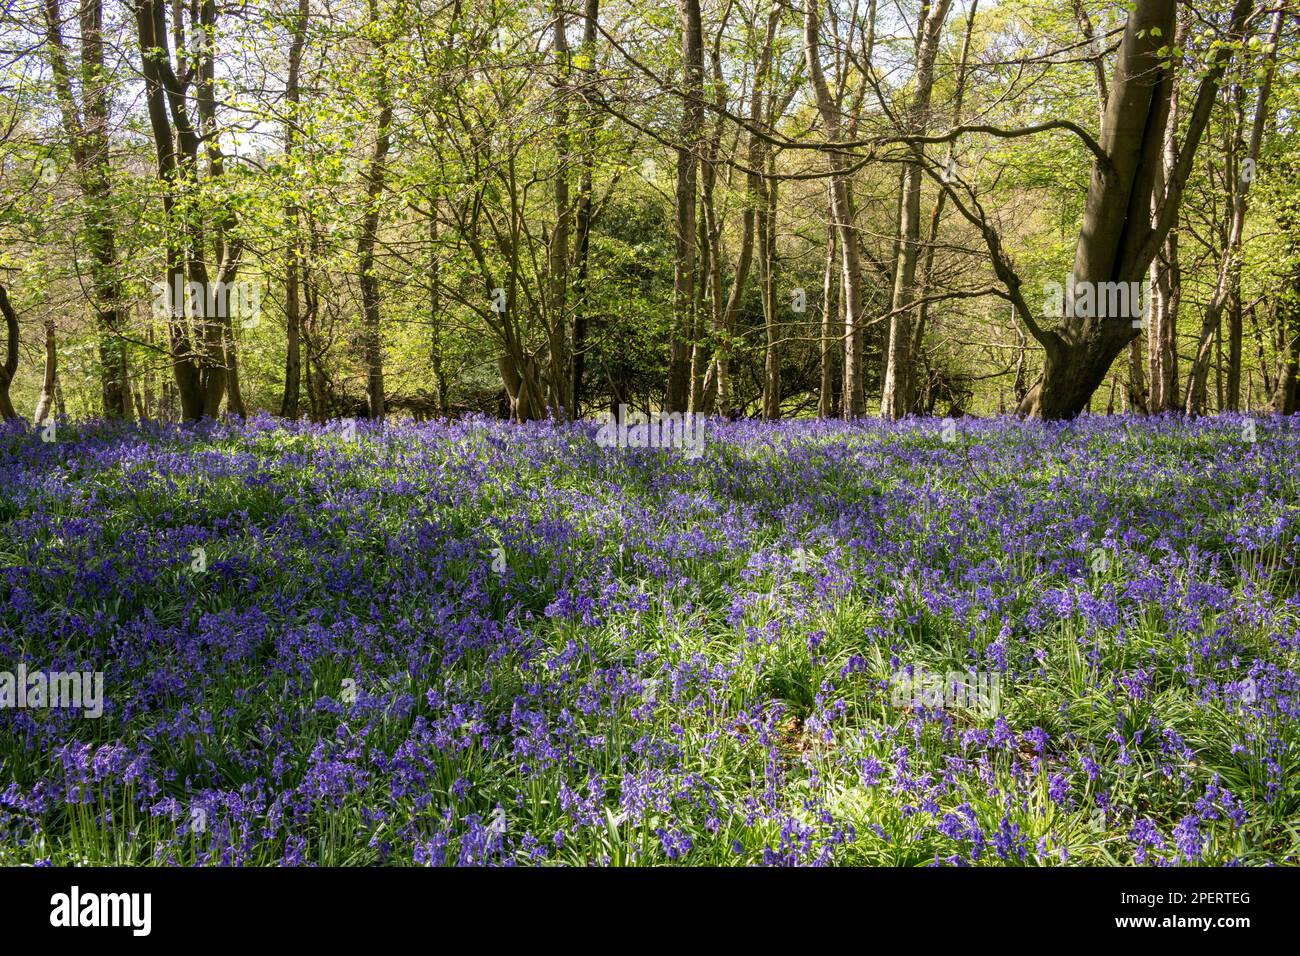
column 1119, row 235
column 1227, row 285
column 292, row 214
column 1165, row 272
column 684, row 275
column 455, row 212
column 200, row 357
column 584, row 214
column 10, row 367
column 896, row 397
column 854, row 403
column 86, row 127
column 375, row 174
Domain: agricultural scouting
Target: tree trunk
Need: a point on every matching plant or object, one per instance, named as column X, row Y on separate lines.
column 10, row 367
column 1137, row 380
column 896, row 397
column 1165, row 273
column 435, row 313
column 767, row 272
column 1286, row 401
column 755, row 198
column 830, row 341
column 227, row 251
column 936, row 215
column 558, row 331
column 710, row 245
column 1228, row 279
column 1119, row 236
column 50, row 379
column 162, row 88
column 370, row 317
column 583, row 215
column 684, row 277
column 87, row 131
column 293, row 254
column 854, row 395
column 1232, row 398
column 199, row 362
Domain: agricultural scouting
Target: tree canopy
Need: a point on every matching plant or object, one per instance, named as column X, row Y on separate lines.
column 373, row 208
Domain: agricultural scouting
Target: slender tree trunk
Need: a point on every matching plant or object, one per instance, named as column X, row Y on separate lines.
column 830, row 313
column 375, row 175
column 1137, row 380
column 684, row 272
column 10, row 367
column 1232, row 387
column 200, row 362
column 703, row 379
column 767, row 271
column 227, row 251
column 293, row 253
column 1098, row 59
column 703, row 396
column 87, row 131
column 435, row 314
column 1165, row 272
column 230, row 349
column 854, row 395
column 755, row 199
column 314, row 346
column 50, row 378
column 558, row 328
column 896, row 397
column 1228, row 279
column 1285, row 398
column 936, row 215
column 164, row 100
column 583, row 215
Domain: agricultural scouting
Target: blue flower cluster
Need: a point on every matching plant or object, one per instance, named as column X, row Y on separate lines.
column 479, row 643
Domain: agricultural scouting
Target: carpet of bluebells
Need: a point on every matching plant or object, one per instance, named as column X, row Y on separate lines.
column 483, row 643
